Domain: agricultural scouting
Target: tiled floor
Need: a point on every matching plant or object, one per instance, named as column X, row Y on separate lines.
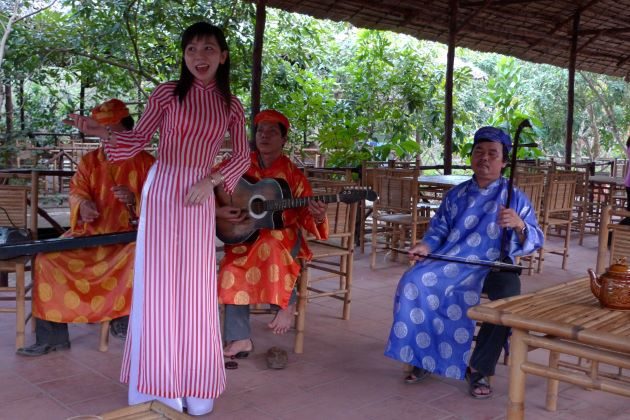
column 341, row 375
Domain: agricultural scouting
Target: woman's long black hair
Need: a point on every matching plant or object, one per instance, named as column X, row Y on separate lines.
column 186, row 78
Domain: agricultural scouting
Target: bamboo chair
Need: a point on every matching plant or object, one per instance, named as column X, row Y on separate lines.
column 13, row 199
column 371, row 170
column 532, row 185
column 397, row 218
column 329, row 272
column 617, row 234
column 583, row 207
column 557, row 212
column 368, row 171
column 328, row 174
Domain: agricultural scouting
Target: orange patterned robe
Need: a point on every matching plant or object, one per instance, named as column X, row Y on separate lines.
column 265, row 271
column 92, row 284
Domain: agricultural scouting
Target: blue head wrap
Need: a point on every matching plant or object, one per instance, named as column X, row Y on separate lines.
column 493, row 134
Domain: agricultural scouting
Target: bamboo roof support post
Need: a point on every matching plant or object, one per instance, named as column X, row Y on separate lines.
column 571, row 88
column 259, row 34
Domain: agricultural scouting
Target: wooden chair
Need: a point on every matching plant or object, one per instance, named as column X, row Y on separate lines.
column 617, row 234
column 329, row 174
column 332, row 259
column 532, row 185
column 557, row 212
column 13, row 199
column 583, row 206
column 397, row 219
column 368, row 171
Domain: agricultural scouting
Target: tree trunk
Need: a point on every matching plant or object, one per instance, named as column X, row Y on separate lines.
column 8, row 106
column 81, row 106
column 594, row 131
column 21, row 105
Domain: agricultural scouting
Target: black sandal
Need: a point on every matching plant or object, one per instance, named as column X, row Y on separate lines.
column 417, row 375
column 241, row 354
column 477, row 380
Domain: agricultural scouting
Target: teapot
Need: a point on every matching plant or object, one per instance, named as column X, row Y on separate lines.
column 613, row 287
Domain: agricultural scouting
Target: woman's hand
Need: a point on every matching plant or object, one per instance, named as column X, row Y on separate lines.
column 317, row 210
column 231, row 214
column 200, row 192
column 418, row 252
column 90, row 127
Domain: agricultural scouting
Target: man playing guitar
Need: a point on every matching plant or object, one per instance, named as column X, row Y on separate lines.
column 265, row 270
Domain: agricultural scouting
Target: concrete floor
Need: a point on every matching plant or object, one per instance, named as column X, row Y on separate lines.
column 341, row 375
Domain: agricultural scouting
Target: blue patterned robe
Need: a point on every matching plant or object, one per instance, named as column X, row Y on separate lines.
column 430, row 328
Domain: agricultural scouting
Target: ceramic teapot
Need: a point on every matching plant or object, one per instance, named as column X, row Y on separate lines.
column 613, row 287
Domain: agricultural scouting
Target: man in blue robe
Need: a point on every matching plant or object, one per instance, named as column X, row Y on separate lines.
column 431, row 331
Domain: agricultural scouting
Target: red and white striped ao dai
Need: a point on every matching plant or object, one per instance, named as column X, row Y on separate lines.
column 179, row 342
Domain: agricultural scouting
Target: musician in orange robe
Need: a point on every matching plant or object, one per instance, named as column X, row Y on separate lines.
column 91, row 284
column 265, row 271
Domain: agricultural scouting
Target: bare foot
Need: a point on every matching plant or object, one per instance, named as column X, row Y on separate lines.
column 281, row 323
column 237, row 346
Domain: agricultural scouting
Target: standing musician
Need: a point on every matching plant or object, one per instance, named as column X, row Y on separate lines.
column 265, row 271
column 93, row 284
column 431, row 331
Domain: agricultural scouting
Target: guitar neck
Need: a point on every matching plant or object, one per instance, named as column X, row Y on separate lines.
column 291, row 203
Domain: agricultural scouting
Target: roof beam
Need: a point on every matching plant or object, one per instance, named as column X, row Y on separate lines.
column 609, row 31
column 566, row 20
column 465, row 4
column 473, row 15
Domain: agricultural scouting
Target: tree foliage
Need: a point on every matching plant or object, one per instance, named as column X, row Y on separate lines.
column 357, row 94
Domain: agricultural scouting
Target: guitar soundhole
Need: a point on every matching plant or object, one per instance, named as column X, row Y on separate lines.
column 257, row 206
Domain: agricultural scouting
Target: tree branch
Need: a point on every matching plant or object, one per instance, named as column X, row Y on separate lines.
column 36, row 11
column 609, row 112
column 134, row 42
column 110, row 62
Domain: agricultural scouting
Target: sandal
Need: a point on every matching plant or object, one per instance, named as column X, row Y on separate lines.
column 477, row 381
column 241, row 354
column 417, row 375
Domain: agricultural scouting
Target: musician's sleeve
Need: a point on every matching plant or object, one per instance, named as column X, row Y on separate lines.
column 439, row 225
column 80, row 187
column 238, row 163
column 534, row 237
column 302, row 216
column 130, row 143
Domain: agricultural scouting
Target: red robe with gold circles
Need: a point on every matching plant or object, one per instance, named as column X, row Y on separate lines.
column 265, row 270
column 92, row 284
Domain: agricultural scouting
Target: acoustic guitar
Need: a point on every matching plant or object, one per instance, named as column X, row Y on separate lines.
column 264, row 202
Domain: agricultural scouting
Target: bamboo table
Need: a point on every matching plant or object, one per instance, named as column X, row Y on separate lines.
column 566, row 320
column 443, row 181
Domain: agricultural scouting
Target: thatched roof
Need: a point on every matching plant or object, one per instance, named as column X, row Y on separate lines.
column 535, row 30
